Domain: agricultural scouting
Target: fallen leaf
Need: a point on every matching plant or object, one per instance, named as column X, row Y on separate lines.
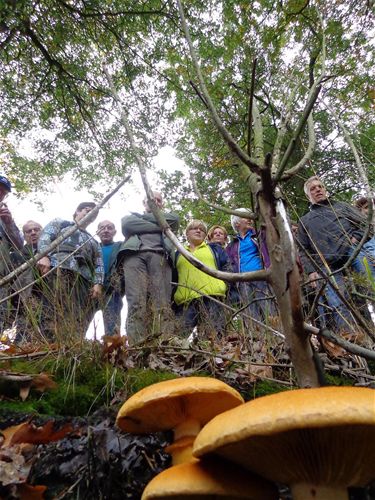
column 28, row 492
column 27, row 432
column 43, row 382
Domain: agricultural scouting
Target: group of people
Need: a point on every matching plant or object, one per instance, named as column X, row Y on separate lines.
column 166, row 295
column 57, row 296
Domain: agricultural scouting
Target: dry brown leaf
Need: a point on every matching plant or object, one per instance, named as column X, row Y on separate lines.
column 333, row 350
column 43, row 382
column 255, row 372
column 28, row 492
column 29, row 433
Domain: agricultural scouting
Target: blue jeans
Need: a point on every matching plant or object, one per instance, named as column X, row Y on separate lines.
column 368, row 251
column 340, row 314
column 256, row 294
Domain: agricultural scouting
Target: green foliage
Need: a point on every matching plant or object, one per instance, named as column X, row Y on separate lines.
column 54, row 92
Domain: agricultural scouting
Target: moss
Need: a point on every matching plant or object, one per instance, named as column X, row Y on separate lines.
column 338, row 380
column 137, row 379
column 84, row 383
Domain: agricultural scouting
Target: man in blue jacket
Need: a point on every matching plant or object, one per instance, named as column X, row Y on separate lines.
column 147, row 262
column 113, row 281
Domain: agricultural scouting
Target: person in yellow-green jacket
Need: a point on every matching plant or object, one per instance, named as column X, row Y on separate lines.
column 193, row 302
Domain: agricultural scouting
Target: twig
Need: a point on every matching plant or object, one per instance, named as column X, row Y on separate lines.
column 26, row 356
column 239, row 213
column 230, row 141
column 348, row 346
column 250, row 110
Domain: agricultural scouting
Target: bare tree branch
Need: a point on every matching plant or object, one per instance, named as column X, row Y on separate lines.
column 239, row 213
column 348, row 346
column 250, row 110
column 291, row 172
column 231, row 142
column 312, row 97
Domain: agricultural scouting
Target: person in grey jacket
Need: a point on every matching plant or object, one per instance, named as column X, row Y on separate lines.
column 147, row 262
column 328, row 234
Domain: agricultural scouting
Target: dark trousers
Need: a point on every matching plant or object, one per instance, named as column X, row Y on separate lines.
column 148, row 293
column 67, row 306
column 205, row 313
column 256, row 296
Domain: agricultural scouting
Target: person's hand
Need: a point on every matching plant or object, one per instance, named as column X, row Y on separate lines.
column 96, row 291
column 44, row 265
column 313, row 277
column 5, row 214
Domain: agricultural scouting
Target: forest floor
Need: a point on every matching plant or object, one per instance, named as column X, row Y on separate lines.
column 58, row 438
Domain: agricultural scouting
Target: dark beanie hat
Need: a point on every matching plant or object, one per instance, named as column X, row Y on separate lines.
column 85, row 204
column 4, row 181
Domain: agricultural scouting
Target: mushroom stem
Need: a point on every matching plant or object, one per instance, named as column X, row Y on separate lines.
column 184, row 435
column 189, row 427
column 304, row 491
column 181, row 450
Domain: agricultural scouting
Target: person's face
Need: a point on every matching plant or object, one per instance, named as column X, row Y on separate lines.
column 31, row 232
column 83, row 212
column 158, row 199
column 318, row 192
column 3, row 192
column 196, row 235
column 243, row 225
column 218, row 236
column 106, row 232
column 364, row 209
column 295, row 230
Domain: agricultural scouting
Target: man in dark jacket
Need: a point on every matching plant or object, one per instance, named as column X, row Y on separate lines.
column 328, row 234
column 27, row 304
column 147, row 262
column 10, row 239
column 113, row 281
column 247, row 252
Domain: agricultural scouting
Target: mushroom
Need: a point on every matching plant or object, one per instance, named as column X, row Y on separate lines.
column 318, row 441
column 183, row 405
column 207, row 480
